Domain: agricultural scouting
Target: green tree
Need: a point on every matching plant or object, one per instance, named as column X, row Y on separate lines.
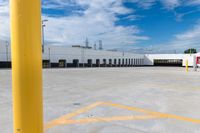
column 190, row 51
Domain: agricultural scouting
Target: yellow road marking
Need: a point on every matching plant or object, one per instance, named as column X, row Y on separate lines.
column 129, row 108
column 70, row 115
column 154, row 113
column 108, row 119
column 66, row 119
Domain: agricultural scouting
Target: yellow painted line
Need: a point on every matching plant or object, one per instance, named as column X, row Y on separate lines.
column 66, row 119
column 197, row 121
column 107, row 119
column 70, row 115
column 129, row 108
column 154, row 113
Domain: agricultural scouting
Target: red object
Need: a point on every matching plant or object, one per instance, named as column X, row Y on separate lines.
column 198, row 60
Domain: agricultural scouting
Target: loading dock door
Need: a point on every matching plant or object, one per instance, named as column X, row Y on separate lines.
column 119, row 62
column 134, row 62
column 168, row 62
column 62, row 63
column 110, row 62
column 4, row 64
column 46, row 63
column 104, row 62
column 75, row 63
column 122, row 62
column 97, row 62
column 89, row 63
column 115, row 62
column 131, row 62
column 126, row 62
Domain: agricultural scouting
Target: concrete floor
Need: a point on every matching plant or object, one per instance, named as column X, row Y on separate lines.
column 159, row 89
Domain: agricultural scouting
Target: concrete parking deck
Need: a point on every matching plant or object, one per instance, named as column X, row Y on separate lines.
column 118, row 100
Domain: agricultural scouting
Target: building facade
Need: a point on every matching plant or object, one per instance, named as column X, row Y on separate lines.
column 66, row 57
column 61, row 56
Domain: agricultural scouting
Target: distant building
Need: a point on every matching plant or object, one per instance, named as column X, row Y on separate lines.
column 78, row 56
column 81, row 56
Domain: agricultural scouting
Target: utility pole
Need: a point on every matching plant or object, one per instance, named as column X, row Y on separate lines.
column 100, row 45
column 87, row 43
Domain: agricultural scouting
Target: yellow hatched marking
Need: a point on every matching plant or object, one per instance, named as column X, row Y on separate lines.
column 66, row 119
column 70, row 115
column 154, row 113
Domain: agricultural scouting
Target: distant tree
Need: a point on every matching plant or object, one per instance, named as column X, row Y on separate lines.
column 190, row 51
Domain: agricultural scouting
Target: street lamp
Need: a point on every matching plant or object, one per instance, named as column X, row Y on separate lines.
column 43, row 26
column 83, row 56
column 49, row 54
column 7, row 45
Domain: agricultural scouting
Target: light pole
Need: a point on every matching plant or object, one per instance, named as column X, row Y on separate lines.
column 7, row 44
column 43, row 26
column 49, row 57
column 49, row 54
column 83, row 56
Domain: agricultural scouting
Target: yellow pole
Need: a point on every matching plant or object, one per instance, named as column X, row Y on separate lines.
column 26, row 66
column 186, row 66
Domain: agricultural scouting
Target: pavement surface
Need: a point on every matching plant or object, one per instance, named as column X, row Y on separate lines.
column 118, row 100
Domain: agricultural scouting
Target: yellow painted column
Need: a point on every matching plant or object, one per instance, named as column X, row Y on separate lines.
column 186, row 66
column 26, row 66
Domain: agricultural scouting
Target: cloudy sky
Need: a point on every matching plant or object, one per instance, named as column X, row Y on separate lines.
column 132, row 25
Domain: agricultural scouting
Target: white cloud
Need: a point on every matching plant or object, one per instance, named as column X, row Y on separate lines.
column 97, row 22
column 4, row 20
column 188, row 39
column 146, row 4
column 168, row 4
column 171, row 4
column 182, row 41
column 193, row 2
column 58, row 4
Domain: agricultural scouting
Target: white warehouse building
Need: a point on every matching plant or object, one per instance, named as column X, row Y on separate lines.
column 84, row 57
column 62, row 56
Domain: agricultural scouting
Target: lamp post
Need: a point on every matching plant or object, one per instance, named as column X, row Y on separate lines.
column 49, row 54
column 43, row 40
column 49, row 57
column 83, row 56
column 7, row 44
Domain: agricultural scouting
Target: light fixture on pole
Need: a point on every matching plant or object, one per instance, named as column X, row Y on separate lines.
column 43, row 40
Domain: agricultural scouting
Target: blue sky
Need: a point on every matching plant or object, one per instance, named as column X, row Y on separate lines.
column 161, row 26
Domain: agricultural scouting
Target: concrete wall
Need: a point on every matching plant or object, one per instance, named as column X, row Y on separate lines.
column 5, row 53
